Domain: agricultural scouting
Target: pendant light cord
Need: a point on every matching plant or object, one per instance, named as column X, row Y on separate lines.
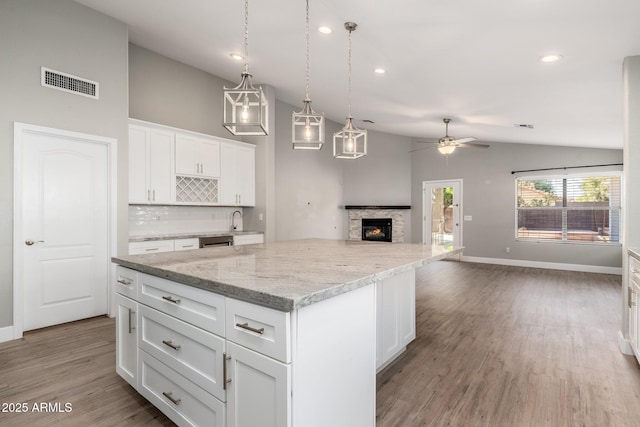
column 350, row 73
column 246, row 36
column 307, row 71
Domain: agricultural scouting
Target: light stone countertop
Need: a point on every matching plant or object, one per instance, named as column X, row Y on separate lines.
column 173, row 236
column 634, row 252
column 290, row 274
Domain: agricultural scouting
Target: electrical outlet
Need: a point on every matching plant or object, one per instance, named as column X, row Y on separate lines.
column 261, row 216
column 507, row 250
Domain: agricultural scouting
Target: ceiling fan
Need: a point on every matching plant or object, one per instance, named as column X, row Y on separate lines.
column 447, row 144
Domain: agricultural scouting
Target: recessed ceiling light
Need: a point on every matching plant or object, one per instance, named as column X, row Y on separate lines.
column 325, row 30
column 236, row 56
column 379, row 71
column 554, row 57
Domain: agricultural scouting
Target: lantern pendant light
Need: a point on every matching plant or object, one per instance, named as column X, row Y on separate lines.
column 307, row 126
column 246, row 109
column 350, row 142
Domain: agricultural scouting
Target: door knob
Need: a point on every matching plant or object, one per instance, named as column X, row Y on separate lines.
column 31, row 242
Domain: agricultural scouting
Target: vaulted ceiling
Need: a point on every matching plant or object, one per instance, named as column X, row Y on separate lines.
column 476, row 62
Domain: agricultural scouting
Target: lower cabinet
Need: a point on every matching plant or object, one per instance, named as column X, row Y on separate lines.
column 127, row 339
column 634, row 315
column 396, row 316
column 259, row 389
column 205, row 359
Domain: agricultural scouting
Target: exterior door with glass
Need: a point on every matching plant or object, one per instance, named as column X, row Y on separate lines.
column 442, row 206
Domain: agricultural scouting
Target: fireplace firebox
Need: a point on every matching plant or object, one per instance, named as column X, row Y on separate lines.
column 377, row 229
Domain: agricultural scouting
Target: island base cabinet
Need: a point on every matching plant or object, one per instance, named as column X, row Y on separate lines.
column 127, row 339
column 182, row 401
column 258, row 389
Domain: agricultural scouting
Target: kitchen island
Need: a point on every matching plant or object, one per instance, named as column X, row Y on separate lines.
column 283, row 334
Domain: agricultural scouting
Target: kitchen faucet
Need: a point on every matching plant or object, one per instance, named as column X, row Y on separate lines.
column 233, row 218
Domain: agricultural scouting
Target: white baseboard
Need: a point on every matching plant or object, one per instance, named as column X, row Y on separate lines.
column 546, row 265
column 6, row 334
column 624, row 345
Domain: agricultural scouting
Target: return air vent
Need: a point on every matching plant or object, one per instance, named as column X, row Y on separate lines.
column 68, row 83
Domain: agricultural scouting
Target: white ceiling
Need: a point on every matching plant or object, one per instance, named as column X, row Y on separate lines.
column 473, row 61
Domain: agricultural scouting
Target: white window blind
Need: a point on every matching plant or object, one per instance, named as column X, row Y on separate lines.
column 582, row 208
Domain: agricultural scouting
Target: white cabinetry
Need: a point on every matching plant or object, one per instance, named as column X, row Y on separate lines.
column 186, row 244
column 151, row 165
column 206, row 359
column 150, row 246
column 396, row 308
column 127, row 339
column 237, row 174
column 248, row 239
column 634, row 317
column 197, row 156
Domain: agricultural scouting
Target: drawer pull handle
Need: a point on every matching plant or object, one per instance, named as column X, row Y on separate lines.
column 124, row 282
column 170, row 344
column 171, row 398
column 131, row 328
column 151, row 249
column 249, row 328
column 175, row 301
column 225, row 381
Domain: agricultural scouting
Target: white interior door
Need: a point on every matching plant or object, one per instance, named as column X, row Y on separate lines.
column 63, row 234
column 442, row 207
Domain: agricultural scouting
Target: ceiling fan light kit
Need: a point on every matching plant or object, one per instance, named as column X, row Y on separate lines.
column 350, row 142
column 245, row 108
column 307, row 126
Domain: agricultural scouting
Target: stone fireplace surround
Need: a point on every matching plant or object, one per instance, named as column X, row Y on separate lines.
column 395, row 212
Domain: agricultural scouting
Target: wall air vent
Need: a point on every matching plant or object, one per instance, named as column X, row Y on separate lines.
column 68, row 83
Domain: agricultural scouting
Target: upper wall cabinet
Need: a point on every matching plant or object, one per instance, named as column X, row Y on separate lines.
column 197, row 156
column 237, row 174
column 151, row 166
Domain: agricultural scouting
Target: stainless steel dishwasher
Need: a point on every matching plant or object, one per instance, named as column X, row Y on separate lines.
column 207, row 242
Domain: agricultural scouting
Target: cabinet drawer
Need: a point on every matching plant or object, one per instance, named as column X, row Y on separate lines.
column 192, row 305
column 248, row 239
column 126, row 282
column 186, row 244
column 150, row 247
column 262, row 329
column 192, row 352
column 177, row 397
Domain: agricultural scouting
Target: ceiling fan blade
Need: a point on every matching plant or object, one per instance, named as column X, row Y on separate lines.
column 472, row 145
column 420, row 149
column 463, row 140
column 424, row 141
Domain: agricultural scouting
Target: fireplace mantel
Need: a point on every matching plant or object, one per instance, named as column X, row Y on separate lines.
column 379, row 207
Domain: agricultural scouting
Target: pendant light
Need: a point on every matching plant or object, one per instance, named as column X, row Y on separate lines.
column 350, row 142
column 307, row 126
column 245, row 108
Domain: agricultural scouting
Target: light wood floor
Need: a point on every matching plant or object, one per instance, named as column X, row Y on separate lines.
column 495, row 346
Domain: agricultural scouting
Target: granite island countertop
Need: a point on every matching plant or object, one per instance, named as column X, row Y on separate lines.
column 290, row 274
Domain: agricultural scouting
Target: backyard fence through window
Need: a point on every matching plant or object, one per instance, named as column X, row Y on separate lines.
column 571, row 208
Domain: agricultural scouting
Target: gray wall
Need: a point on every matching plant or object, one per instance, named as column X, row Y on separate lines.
column 313, row 187
column 71, row 38
column 489, row 197
column 168, row 92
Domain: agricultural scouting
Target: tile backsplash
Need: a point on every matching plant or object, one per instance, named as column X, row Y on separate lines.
column 147, row 220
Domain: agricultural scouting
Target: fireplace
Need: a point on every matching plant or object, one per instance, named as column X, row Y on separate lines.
column 377, row 229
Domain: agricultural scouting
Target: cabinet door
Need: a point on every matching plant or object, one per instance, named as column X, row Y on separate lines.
column 127, row 339
column 209, row 157
column 228, row 179
column 186, row 156
column 161, row 168
column 246, row 176
column 259, row 393
column 151, row 246
column 138, row 165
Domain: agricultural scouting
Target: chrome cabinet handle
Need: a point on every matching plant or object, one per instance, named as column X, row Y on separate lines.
column 131, row 328
column 30, row 242
column 175, row 301
column 149, row 195
column 249, row 328
column 151, row 249
column 154, row 195
column 225, row 381
column 171, row 398
column 124, row 282
column 170, row 344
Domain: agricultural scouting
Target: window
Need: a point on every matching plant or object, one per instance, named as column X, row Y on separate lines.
column 572, row 208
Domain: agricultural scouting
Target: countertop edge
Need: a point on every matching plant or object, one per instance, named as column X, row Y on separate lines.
column 634, row 252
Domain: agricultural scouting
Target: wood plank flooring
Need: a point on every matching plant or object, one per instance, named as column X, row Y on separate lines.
column 495, row 346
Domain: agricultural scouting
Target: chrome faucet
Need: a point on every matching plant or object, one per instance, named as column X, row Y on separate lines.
column 233, row 219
